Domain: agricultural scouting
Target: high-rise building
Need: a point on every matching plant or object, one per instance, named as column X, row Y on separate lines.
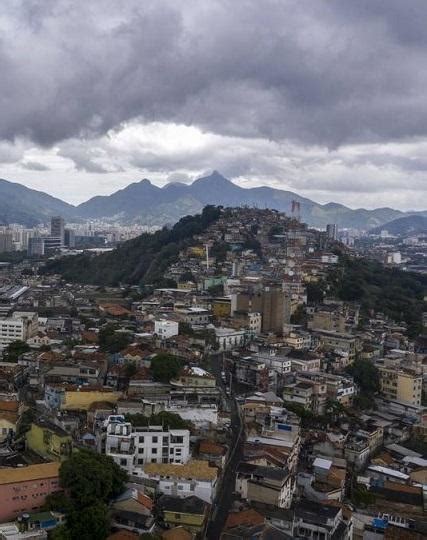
column 70, row 238
column 332, row 231
column 6, row 241
column 57, row 228
column 36, row 246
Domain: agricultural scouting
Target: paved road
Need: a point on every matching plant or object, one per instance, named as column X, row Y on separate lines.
column 224, row 499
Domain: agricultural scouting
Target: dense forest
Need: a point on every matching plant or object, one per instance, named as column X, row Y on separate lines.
column 397, row 294
column 140, row 261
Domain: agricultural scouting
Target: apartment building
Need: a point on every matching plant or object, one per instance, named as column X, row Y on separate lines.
column 311, row 394
column 336, row 341
column 20, row 326
column 132, row 447
column 24, row 489
column 400, row 383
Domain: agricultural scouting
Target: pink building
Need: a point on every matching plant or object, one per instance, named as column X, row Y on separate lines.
column 24, row 489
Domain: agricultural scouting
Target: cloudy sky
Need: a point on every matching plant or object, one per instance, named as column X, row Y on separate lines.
column 324, row 97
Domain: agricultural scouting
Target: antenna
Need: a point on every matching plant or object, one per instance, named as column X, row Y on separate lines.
column 207, row 256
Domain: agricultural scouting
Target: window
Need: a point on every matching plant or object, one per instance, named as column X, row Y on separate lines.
column 155, row 439
column 154, row 451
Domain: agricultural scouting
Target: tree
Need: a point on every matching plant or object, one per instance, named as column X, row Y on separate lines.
column 15, row 349
column 299, row 316
column 90, row 523
column 89, row 481
column 366, row 376
column 166, row 419
column 165, row 367
column 315, row 293
column 89, row 478
column 129, row 369
column 111, row 341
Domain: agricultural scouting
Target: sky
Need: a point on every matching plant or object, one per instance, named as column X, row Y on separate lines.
column 327, row 98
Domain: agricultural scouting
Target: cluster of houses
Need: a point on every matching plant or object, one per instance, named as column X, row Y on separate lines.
column 262, row 431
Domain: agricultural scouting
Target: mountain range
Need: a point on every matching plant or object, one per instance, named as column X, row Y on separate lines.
column 143, row 202
column 416, row 224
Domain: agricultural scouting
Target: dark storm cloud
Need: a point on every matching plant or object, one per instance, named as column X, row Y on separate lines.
column 318, row 72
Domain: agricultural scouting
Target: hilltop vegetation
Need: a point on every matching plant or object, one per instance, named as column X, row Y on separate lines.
column 397, row 294
column 140, row 261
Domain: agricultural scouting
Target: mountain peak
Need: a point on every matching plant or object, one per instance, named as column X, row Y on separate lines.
column 214, row 178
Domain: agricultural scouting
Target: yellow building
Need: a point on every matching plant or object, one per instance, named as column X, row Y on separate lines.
column 80, row 399
column 401, row 384
column 189, row 512
column 221, row 307
column 197, row 251
column 49, row 440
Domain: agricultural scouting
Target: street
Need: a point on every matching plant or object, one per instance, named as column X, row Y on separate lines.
column 224, row 499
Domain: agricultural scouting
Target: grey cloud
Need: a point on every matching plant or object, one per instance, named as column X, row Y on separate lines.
column 34, row 166
column 324, row 72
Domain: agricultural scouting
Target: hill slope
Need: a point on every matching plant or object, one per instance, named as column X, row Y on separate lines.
column 141, row 260
column 19, row 204
column 416, row 224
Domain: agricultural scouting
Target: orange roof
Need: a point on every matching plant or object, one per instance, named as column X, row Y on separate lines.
column 133, row 351
column 13, row 475
column 123, row 535
column 116, row 310
column 9, row 406
column 209, row 447
column 177, row 533
column 145, row 500
column 91, row 337
column 246, row 517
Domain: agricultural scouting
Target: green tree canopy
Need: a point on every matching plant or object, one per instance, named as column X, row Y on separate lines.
column 15, row 349
column 165, row 367
column 89, row 478
column 90, row 481
column 111, row 341
column 167, row 419
column 366, row 376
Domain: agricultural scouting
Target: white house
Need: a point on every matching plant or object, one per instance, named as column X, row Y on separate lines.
column 229, row 338
column 166, row 329
column 196, row 477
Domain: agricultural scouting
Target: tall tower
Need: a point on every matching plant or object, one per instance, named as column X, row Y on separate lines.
column 332, row 231
column 57, row 228
column 296, row 210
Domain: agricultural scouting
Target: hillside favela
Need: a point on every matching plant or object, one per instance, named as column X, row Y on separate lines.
column 213, row 270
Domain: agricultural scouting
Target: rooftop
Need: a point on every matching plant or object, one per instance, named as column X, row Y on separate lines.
column 12, row 475
column 197, row 469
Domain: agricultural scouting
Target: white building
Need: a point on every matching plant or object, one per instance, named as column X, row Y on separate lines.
column 166, row 329
column 132, row 447
column 196, row 316
column 20, row 326
column 229, row 338
column 194, row 478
